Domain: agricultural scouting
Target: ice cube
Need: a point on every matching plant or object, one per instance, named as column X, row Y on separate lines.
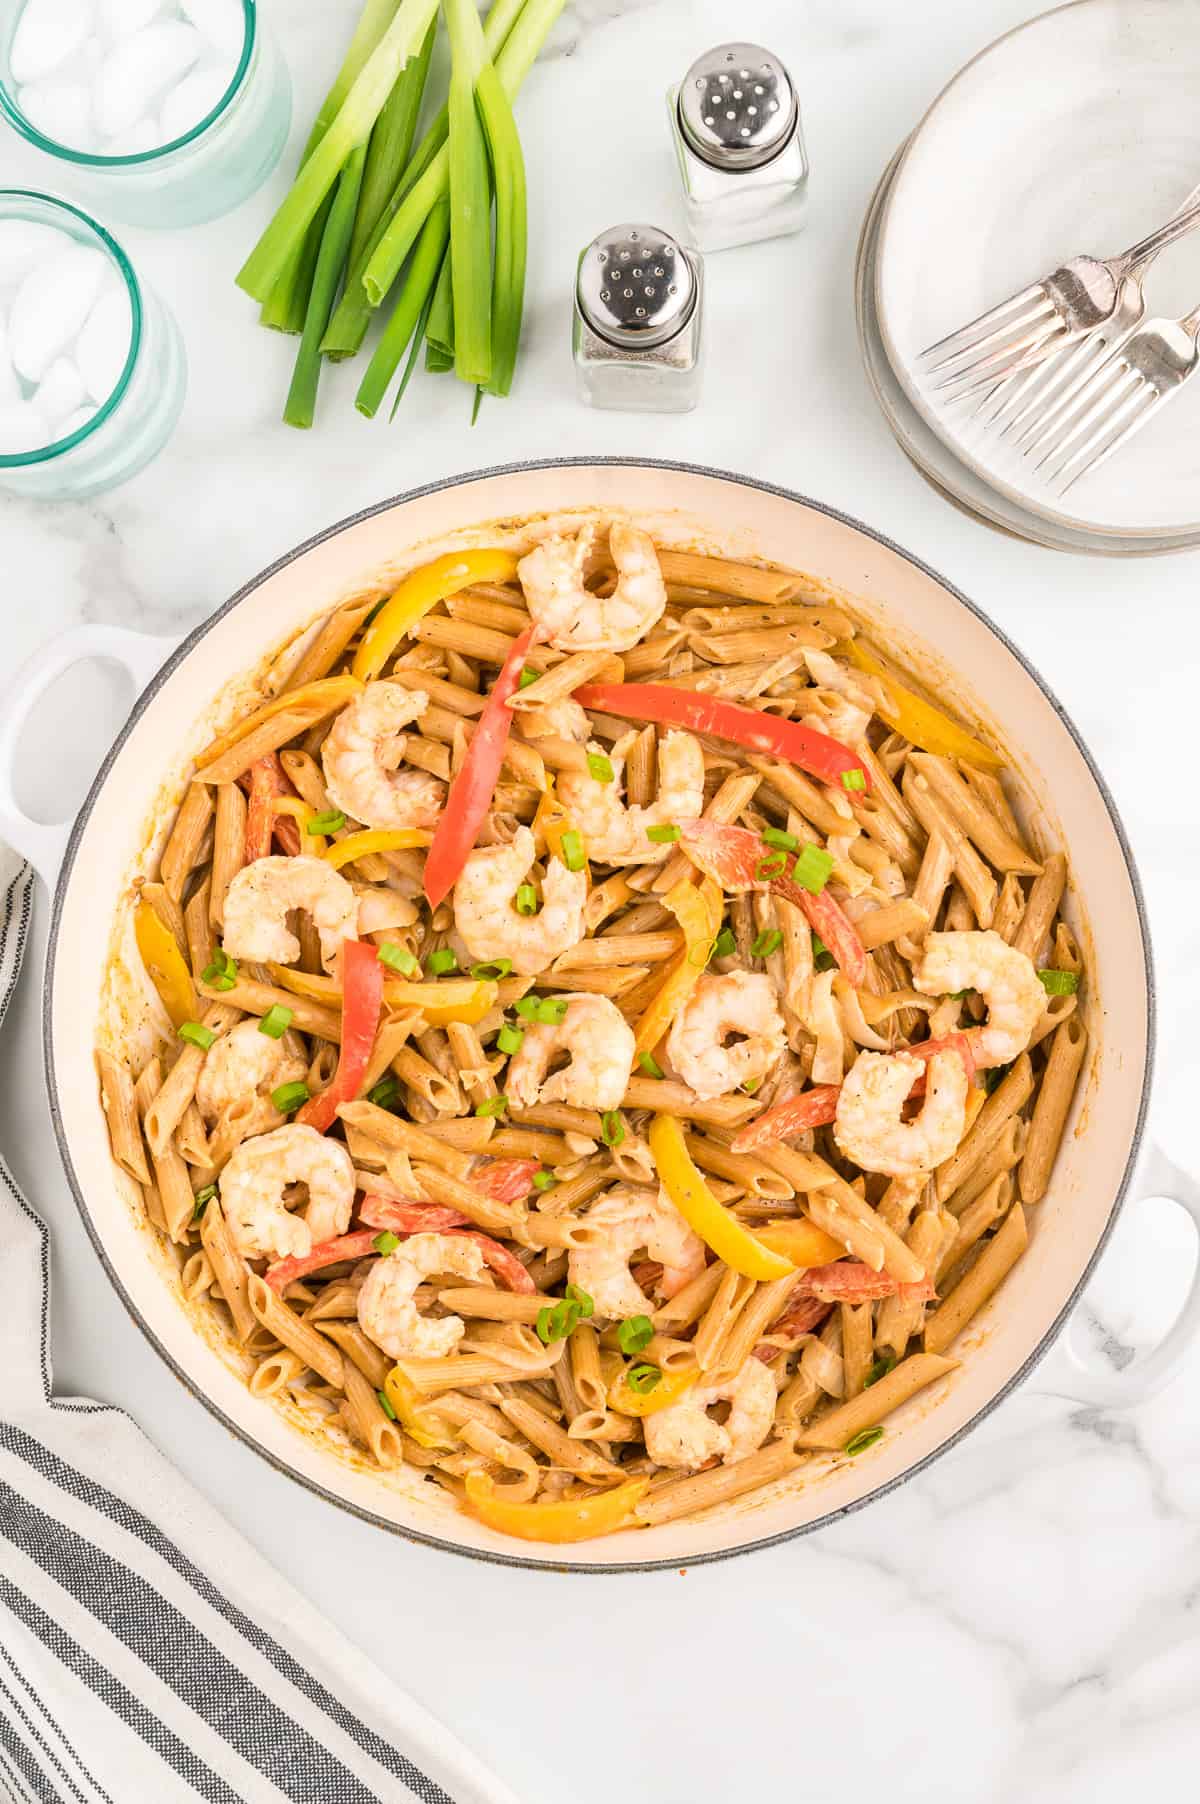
column 124, row 17
column 143, row 136
column 104, row 343
column 22, row 428
column 223, row 23
column 75, row 420
column 139, row 69
column 48, row 32
column 51, row 305
column 61, row 110
column 193, row 100
column 60, row 391
column 22, row 242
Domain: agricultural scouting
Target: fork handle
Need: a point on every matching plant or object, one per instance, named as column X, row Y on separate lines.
column 1139, row 255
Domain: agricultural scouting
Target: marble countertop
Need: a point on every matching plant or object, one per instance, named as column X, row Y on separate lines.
column 1022, row 1619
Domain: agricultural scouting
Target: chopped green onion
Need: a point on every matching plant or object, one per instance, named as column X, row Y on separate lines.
column 276, row 1021
column 527, row 676
column 551, row 1010
column 196, row 1034
column 1059, row 983
column 664, row 835
column 387, row 1242
column 442, row 961
column 397, row 958
column 558, row 1322
column 995, row 1076
column 572, row 850
column 492, row 969
column 386, row 1093
column 853, row 779
column 527, row 899
column 823, row 959
column 812, row 869
column 544, row 1180
column 385, row 1404
column 528, row 1007
column 582, row 1301
column 641, row 1379
column 750, row 1086
column 491, row 1106
column 649, row 1065
column 600, row 767
column 289, row 1097
column 222, row 973
column 784, row 842
column 332, row 821
column 879, row 1370
column 202, row 1199
column 724, row 946
column 510, row 1038
column 636, row 1332
column 860, row 1442
column 957, row 995
column 766, row 943
column 612, row 1128
column 773, row 865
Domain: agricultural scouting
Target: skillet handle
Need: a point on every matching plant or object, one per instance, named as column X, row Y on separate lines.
column 136, row 653
column 1066, row 1375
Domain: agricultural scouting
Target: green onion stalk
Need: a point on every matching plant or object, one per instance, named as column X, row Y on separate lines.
column 470, row 199
column 419, row 282
column 331, row 261
column 350, row 127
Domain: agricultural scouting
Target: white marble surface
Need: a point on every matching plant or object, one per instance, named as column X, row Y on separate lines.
column 1023, row 1619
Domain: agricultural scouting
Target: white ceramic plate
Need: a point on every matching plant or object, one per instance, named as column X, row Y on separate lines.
column 934, row 459
column 1078, row 132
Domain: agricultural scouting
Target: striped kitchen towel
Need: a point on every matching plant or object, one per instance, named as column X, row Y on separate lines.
column 147, row 1652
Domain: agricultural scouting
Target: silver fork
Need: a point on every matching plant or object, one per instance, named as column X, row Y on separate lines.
column 1117, row 399
column 1048, row 316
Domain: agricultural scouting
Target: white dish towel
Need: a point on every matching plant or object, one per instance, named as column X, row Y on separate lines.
column 142, row 1663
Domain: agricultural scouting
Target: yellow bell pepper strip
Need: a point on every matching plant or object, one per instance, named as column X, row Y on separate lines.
column 325, row 695
column 698, row 912
column 466, row 999
column 918, row 720
column 374, row 839
column 401, row 1393
column 573, row 1519
column 670, row 1388
column 800, row 1241
column 165, row 965
column 717, row 1228
column 311, row 843
column 420, row 591
column 551, row 821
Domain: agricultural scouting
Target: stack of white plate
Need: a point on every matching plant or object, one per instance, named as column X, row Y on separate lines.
column 1078, row 132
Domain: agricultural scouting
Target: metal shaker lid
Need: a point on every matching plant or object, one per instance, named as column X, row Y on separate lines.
column 737, row 106
column 635, row 286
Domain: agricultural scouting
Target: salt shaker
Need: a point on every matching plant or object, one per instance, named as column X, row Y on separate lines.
column 637, row 336
column 735, row 120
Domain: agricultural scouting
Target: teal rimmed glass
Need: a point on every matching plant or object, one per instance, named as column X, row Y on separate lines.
column 133, row 423
column 196, row 177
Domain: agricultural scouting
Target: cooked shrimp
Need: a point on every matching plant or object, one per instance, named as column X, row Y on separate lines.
column 616, row 834
column 686, row 1435
column 1006, row 979
column 360, row 756
column 572, row 616
column 263, row 1217
column 601, row 1044
column 387, row 1309
column 623, row 1222
column 263, row 894
column 486, row 917
column 565, row 719
column 868, row 1127
column 702, row 1045
column 244, row 1064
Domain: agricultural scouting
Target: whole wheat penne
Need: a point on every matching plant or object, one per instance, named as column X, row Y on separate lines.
column 729, row 1298
column 671, row 1098
column 891, row 921
column 1058, row 1009
column 977, row 881
column 1009, row 1096
column 702, row 1490
column 721, row 576
column 753, row 1320
column 1001, row 848
column 1041, row 906
column 491, row 1305
column 229, row 1268
column 570, row 1455
column 931, row 1232
column 1003, row 1154
column 989, row 1271
column 359, row 1351
column 1010, row 906
column 229, row 846
column 254, row 998
column 977, row 1219
column 1051, row 1108
column 489, row 610
column 281, row 1321
column 744, row 1170
column 181, row 854
column 441, row 1187
column 365, row 1416
column 620, row 949
column 119, row 1103
column 836, row 1429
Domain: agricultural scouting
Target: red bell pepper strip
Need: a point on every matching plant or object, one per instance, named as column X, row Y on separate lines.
column 733, row 856
column 767, row 734
column 813, row 1108
column 925, row 1049
column 267, row 780
column 506, row 1265
column 409, row 1218
column 326, row 1252
column 802, row 1314
column 362, row 999
column 848, row 1281
column 505, row 1180
column 474, row 786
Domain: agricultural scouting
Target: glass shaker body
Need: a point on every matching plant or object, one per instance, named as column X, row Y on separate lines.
column 739, row 142
column 638, row 331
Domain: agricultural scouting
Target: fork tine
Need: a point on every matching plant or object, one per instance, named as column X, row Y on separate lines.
column 1042, row 387
column 1028, row 378
column 1067, row 377
column 963, row 337
column 1006, row 360
column 1095, row 419
column 1012, row 326
column 1149, row 401
column 1086, row 403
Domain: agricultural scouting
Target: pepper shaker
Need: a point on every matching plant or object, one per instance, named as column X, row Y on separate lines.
column 735, row 120
column 637, row 335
